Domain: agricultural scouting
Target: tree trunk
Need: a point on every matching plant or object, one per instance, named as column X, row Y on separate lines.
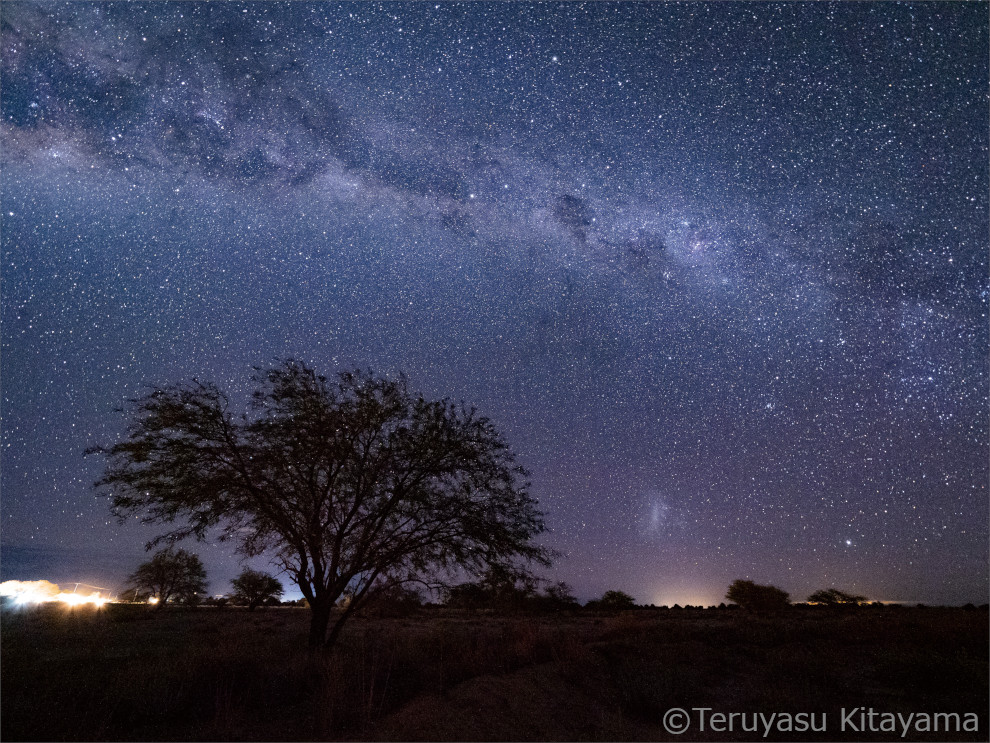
column 335, row 632
column 318, row 622
column 339, row 624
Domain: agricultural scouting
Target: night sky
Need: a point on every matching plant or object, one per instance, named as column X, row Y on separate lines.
column 717, row 271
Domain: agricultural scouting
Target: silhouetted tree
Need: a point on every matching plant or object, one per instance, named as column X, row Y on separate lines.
column 835, row 597
column 394, row 601
column 353, row 484
column 501, row 587
column 750, row 595
column 170, row 575
column 509, row 588
column 559, row 596
column 254, row 588
column 613, row 601
column 467, row 595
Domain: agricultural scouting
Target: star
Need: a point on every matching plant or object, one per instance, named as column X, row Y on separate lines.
column 702, row 286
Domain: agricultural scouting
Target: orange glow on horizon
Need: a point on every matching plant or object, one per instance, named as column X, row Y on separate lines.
column 33, row 592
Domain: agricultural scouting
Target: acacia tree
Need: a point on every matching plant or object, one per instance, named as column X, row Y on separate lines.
column 613, row 601
column 170, row 574
column 835, row 597
column 254, row 587
column 352, row 485
column 559, row 595
column 750, row 595
column 498, row 588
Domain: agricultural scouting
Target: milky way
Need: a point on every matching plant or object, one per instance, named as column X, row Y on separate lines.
column 717, row 270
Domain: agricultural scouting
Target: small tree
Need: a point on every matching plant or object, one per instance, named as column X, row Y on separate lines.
column 255, row 588
column 395, row 601
column 352, row 485
column 170, row 575
column 467, row 595
column 500, row 588
column 613, row 601
column 835, row 597
column 558, row 597
column 750, row 595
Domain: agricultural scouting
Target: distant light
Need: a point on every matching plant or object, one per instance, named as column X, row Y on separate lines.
column 30, row 592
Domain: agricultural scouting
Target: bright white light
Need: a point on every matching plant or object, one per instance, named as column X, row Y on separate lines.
column 30, row 592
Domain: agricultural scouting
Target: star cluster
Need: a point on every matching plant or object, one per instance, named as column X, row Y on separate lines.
column 717, row 270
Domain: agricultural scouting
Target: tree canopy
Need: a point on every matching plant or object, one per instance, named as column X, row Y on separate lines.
column 253, row 588
column 835, row 597
column 613, row 601
column 498, row 588
column 560, row 595
column 507, row 592
column 351, row 485
column 750, row 595
column 170, row 575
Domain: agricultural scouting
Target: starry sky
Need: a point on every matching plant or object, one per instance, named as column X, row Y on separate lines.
column 717, row 271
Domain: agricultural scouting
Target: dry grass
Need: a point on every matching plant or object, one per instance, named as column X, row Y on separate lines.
column 127, row 673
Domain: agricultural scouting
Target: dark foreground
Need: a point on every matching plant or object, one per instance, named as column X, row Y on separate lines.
column 127, row 673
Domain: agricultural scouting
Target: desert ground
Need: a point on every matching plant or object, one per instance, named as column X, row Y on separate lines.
column 132, row 673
